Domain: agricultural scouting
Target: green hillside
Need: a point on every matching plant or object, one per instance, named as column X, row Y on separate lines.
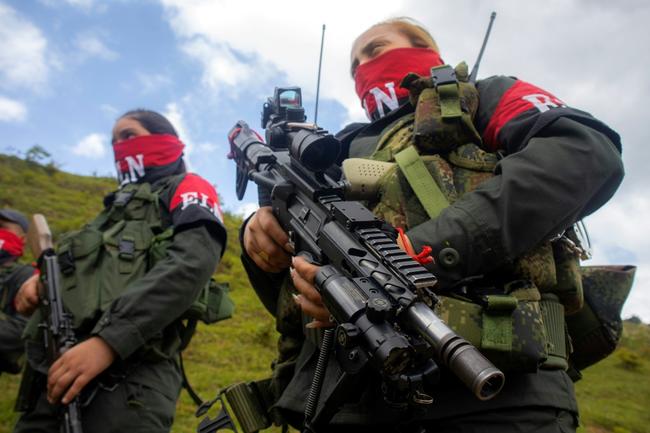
column 613, row 395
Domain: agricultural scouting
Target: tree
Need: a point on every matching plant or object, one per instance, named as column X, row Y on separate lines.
column 36, row 154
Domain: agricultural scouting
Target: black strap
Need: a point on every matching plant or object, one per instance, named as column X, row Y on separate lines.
column 186, row 384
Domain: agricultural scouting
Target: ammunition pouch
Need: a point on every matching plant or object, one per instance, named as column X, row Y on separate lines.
column 445, row 105
column 518, row 331
column 596, row 329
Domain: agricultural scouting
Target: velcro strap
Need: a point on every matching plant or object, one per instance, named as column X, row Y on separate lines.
column 444, row 78
column 418, row 177
column 497, row 322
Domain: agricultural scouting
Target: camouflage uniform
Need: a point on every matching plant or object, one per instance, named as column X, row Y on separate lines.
column 552, row 166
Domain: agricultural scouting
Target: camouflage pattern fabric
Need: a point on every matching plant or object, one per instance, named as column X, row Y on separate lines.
column 596, row 329
column 458, row 165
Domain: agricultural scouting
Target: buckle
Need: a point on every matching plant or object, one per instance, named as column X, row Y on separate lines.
column 443, row 75
column 126, row 248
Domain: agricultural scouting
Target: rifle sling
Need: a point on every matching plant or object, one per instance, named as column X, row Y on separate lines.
column 419, row 178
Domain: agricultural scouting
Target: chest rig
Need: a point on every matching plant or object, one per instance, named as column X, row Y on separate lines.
column 131, row 234
column 430, row 158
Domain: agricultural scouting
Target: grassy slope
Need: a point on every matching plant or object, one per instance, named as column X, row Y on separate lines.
column 613, row 395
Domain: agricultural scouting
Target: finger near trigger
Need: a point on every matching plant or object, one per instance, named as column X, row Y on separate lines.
column 305, row 288
column 306, row 270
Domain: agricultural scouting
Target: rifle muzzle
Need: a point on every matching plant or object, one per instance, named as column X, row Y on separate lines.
column 461, row 357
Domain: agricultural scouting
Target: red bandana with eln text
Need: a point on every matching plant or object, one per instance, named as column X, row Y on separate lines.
column 134, row 156
column 11, row 244
column 377, row 81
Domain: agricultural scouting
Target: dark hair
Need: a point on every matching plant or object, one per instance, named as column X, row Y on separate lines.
column 153, row 122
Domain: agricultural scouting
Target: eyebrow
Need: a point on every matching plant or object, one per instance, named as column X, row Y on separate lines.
column 367, row 51
column 121, row 134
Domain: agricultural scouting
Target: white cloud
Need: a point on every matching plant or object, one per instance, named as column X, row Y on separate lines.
column 174, row 114
column 23, row 60
column 150, row 83
column 12, row 110
column 92, row 146
column 242, row 51
column 89, row 45
column 245, row 209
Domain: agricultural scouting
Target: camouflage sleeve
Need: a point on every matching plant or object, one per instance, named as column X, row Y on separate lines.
column 154, row 301
column 565, row 171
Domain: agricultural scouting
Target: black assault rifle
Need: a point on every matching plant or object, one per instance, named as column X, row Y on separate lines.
column 380, row 298
column 57, row 328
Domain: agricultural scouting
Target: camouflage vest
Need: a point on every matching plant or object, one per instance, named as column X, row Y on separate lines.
column 521, row 328
column 119, row 247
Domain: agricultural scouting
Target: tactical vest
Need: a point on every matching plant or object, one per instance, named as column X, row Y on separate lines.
column 438, row 159
column 120, row 246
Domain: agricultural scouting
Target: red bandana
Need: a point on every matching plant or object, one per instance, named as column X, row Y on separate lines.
column 377, row 81
column 11, row 243
column 135, row 155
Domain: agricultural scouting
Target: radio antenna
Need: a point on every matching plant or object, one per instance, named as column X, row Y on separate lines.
column 472, row 76
column 320, row 63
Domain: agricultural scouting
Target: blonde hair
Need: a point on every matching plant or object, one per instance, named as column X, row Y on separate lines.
column 417, row 35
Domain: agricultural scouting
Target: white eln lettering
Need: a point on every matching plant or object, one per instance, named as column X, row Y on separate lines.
column 136, row 166
column 189, row 198
column 204, row 200
column 192, row 197
column 381, row 98
column 543, row 102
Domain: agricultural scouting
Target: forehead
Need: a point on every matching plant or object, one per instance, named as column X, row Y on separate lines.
column 382, row 31
column 126, row 122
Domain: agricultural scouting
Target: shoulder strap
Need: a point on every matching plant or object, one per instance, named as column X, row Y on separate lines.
column 425, row 187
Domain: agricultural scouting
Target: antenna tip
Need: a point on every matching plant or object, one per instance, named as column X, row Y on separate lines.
column 493, row 14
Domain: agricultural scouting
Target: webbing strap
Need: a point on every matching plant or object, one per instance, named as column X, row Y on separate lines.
column 497, row 322
column 450, row 101
column 444, row 78
column 425, row 187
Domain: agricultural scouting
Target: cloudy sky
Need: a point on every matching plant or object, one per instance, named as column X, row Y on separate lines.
column 68, row 68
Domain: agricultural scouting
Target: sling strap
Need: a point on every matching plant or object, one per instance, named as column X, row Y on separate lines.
column 419, row 178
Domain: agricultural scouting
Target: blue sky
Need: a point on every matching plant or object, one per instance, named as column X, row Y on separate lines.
column 68, row 68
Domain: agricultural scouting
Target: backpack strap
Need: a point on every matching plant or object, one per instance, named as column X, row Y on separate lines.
column 419, row 178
